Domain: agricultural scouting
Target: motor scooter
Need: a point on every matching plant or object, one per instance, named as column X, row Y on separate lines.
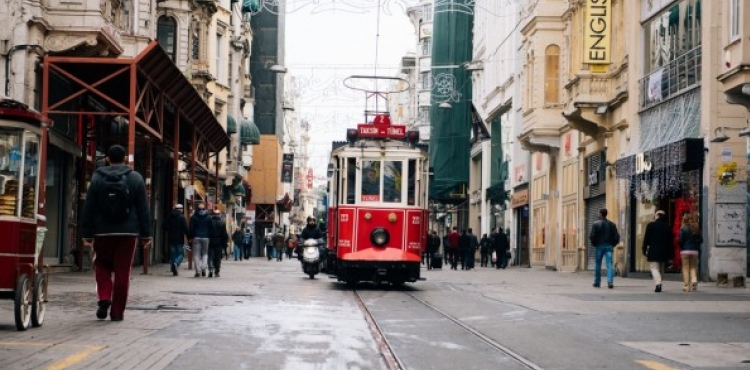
column 311, row 257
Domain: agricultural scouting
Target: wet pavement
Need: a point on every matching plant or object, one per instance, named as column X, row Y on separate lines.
column 268, row 315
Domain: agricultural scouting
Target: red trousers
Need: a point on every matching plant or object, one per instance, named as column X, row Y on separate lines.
column 114, row 254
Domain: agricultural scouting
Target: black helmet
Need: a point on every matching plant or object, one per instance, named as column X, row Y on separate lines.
column 309, row 218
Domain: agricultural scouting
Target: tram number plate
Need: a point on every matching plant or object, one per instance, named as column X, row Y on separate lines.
column 344, row 218
column 416, row 220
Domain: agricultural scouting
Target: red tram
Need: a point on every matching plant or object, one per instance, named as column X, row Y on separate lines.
column 377, row 211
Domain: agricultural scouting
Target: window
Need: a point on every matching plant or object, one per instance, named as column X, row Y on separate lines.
column 370, row 181
column 195, row 48
column 552, row 75
column 392, row 181
column 427, row 13
column 412, row 185
column 220, row 74
column 423, row 115
column 427, row 46
column 166, row 34
column 425, row 79
column 351, row 180
column 734, row 20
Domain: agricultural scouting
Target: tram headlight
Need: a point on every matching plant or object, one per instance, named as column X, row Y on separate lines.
column 380, row 237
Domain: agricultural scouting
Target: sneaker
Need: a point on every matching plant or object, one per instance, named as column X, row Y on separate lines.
column 173, row 268
column 101, row 312
column 197, row 274
column 658, row 288
column 596, row 285
column 685, row 288
column 695, row 287
column 203, row 272
column 217, row 274
column 210, row 274
column 610, row 285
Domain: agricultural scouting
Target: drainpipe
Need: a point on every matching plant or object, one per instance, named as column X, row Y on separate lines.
column 9, row 58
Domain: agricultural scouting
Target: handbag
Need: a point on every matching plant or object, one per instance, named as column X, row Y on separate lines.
column 494, row 256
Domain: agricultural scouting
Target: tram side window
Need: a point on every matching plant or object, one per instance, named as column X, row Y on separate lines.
column 370, row 181
column 351, row 180
column 10, row 170
column 411, row 182
column 392, row 171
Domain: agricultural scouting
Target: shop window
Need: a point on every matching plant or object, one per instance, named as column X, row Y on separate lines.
column 552, row 75
column 166, row 34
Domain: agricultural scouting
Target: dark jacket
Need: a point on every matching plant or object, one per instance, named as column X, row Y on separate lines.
column 657, row 242
column 433, row 244
column 219, row 235
column 604, row 232
column 139, row 219
column 237, row 237
column 484, row 244
column 473, row 242
column 501, row 243
column 311, row 233
column 689, row 241
column 200, row 224
column 464, row 242
column 176, row 227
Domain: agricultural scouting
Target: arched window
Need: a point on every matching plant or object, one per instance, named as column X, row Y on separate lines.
column 166, row 34
column 552, row 74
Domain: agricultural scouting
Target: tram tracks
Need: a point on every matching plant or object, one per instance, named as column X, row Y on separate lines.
column 394, row 362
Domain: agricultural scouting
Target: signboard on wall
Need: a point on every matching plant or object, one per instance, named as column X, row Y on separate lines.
column 730, row 225
column 287, row 168
column 598, row 32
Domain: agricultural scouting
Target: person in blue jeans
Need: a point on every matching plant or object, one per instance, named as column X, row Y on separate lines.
column 177, row 231
column 604, row 237
column 237, row 238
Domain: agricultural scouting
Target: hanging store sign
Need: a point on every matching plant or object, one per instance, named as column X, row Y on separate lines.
column 519, row 198
column 598, row 32
column 642, row 163
column 287, row 167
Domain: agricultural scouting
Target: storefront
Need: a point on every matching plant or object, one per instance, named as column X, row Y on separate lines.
column 595, row 198
column 667, row 178
column 519, row 201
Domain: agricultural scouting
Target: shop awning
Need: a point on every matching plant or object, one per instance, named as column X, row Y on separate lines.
column 249, row 133
column 231, row 124
column 104, row 86
column 450, row 125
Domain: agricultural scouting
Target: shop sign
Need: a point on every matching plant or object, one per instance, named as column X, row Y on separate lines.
column 598, row 32
column 642, row 163
column 519, row 198
column 287, row 167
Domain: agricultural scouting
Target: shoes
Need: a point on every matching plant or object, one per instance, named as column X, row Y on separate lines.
column 686, row 288
column 197, row 274
column 596, row 285
column 203, row 272
column 695, row 287
column 610, row 285
column 101, row 312
column 116, row 318
column 217, row 274
column 658, row 288
column 174, row 269
column 210, row 274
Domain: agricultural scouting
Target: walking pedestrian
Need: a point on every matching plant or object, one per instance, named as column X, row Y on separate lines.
column 690, row 246
column 115, row 216
column 291, row 243
column 446, row 246
column 237, row 239
column 604, row 237
column 472, row 250
column 177, row 231
column 502, row 246
column 464, row 243
column 247, row 244
column 453, row 250
column 199, row 234
column 657, row 247
column 269, row 245
column 217, row 243
column 278, row 243
column 484, row 251
column 433, row 246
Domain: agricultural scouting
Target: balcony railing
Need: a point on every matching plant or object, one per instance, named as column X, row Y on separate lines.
column 675, row 78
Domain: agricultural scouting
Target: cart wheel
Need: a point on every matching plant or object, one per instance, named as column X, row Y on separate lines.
column 39, row 300
column 23, row 302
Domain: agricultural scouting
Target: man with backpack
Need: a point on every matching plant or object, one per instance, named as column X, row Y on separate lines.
column 217, row 243
column 115, row 216
column 604, row 237
column 177, row 230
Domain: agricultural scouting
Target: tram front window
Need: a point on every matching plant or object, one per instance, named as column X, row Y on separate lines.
column 392, row 182
column 370, row 181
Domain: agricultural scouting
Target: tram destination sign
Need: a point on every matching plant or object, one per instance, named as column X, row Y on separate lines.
column 381, row 131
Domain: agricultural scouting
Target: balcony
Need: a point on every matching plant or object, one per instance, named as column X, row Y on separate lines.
column 675, row 78
column 591, row 96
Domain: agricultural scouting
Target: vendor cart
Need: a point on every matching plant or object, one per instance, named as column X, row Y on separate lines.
column 23, row 276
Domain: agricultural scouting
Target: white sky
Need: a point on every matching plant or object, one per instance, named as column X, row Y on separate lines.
column 329, row 40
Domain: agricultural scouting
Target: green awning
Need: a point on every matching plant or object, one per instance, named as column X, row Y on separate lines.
column 249, row 133
column 450, row 128
column 231, row 124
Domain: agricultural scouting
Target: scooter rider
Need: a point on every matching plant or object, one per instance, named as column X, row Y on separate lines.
column 310, row 231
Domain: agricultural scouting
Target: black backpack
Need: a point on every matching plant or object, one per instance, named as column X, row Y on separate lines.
column 114, row 198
